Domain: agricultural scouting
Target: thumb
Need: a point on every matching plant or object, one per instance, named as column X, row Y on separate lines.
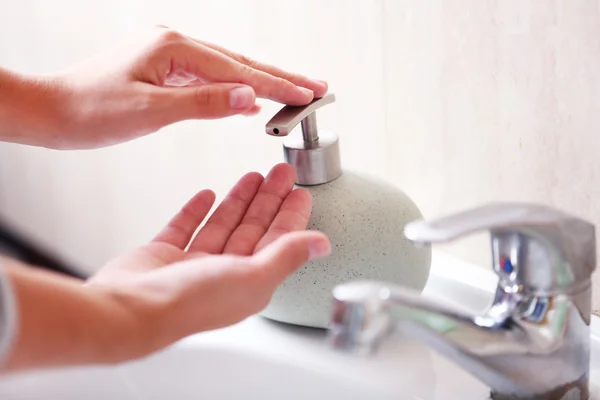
column 290, row 252
column 216, row 100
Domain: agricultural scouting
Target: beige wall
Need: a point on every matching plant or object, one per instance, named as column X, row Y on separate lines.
column 458, row 102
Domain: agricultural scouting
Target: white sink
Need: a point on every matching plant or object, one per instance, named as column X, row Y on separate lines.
column 261, row 359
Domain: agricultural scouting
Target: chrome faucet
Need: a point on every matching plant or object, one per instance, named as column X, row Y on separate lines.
column 532, row 342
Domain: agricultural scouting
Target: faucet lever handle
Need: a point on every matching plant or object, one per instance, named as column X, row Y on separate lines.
column 533, row 245
column 289, row 117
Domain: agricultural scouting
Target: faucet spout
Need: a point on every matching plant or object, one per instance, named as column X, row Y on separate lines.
column 515, row 358
column 533, row 341
column 476, row 334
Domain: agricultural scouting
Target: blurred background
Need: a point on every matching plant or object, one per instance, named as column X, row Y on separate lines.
column 458, row 102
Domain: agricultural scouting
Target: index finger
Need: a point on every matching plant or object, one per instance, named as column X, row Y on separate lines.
column 318, row 87
column 215, row 66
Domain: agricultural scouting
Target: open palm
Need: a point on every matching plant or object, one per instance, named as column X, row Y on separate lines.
column 180, row 284
column 254, row 213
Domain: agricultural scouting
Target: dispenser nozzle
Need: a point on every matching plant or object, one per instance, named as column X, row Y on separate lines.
column 316, row 155
column 289, row 117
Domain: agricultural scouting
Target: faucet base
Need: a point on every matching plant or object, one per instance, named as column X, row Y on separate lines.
column 577, row 390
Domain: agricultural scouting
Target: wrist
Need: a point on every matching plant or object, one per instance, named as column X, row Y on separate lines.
column 136, row 320
column 32, row 109
column 62, row 322
column 121, row 330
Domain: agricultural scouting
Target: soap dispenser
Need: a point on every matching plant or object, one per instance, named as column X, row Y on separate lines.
column 363, row 216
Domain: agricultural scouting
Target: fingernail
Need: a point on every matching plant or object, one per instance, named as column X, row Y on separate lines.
column 241, row 98
column 319, row 248
column 324, row 83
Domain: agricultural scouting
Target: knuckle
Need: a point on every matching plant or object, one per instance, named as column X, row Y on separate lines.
column 281, row 82
column 292, row 76
column 249, row 62
column 204, row 97
column 168, row 35
column 247, row 70
column 280, row 86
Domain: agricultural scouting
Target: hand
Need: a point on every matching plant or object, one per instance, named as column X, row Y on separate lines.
column 164, row 77
column 251, row 243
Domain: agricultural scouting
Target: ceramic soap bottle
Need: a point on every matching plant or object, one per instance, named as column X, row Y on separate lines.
column 363, row 216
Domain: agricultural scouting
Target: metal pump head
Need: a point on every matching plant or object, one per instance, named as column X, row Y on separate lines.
column 316, row 154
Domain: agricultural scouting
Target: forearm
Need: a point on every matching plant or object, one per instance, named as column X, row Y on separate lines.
column 61, row 322
column 31, row 109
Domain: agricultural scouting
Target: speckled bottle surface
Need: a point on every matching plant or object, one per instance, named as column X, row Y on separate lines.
column 364, row 218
